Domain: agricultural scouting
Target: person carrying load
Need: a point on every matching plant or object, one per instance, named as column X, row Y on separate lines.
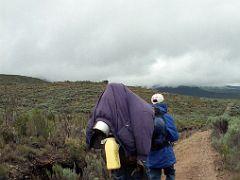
column 124, row 118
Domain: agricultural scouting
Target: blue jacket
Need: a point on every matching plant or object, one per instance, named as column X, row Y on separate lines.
column 166, row 131
column 129, row 117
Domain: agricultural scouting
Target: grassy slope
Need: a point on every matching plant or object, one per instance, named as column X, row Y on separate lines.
column 62, row 137
column 16, row 79
column 80, row 97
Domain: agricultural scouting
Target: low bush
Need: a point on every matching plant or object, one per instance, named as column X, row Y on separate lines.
column 58, row 172
column 231, row 144
column 37, row 126
column 4, row 170
column 226, row 139
column 96, row 167
column 21, row 124
column 8, row 134
column 220, row 124
column 76, row 147
column 2, row 142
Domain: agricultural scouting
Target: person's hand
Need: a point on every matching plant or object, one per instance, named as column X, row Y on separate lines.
column 140, row 168
column 140, row 163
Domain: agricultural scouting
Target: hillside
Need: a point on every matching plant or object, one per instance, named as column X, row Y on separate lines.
column 42, row 126
column 224, row 89
column 16, row 79
column 80, row 97
column 225, row 92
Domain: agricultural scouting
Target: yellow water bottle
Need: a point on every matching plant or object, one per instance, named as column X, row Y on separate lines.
column 112, row 153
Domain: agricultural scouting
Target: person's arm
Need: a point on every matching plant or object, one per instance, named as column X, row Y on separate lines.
column 171, row 129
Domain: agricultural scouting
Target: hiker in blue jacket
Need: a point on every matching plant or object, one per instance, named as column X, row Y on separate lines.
column 165, row 134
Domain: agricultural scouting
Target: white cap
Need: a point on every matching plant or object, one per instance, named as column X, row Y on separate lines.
column 157, row 98
column 102, row 126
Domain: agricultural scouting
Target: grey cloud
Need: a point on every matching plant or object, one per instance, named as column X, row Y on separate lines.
column 138, row 42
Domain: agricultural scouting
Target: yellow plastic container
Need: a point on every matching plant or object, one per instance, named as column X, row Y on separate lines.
column 112, row 154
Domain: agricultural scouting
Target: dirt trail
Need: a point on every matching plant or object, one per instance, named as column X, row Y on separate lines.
column 197, row 160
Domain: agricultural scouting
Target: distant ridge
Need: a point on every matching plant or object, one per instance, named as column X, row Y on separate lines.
column 17, row 79
column 226, row 92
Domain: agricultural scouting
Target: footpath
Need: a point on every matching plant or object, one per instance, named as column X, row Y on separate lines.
column 197, row 160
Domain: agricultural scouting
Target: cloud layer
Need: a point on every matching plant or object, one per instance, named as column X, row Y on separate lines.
column 142, row 42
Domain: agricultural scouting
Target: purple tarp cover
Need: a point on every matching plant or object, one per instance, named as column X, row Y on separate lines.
column 129, row 117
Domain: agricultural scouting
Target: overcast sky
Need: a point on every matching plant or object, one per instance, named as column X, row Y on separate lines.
column 136, row 42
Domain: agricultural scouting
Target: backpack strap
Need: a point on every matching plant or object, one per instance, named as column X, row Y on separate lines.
column 160, row 146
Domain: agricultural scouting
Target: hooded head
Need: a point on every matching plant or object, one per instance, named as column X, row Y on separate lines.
column 158, row 104
column 157, row 98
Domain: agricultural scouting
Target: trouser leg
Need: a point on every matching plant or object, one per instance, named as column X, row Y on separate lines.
column 170, row 172
column 128, row 172
column 129, row 169
column 154, row 174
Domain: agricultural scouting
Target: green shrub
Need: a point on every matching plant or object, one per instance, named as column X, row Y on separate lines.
column 96, row 167
column 226, row 139
column 1, row 119
column 192, row 121
column 37, row 125
column 4, row 170
column 232, row 144
column 24, row 150
column 58, row 172
column 21, row 124
column 2, row 142
column 220, row 124
column 76, row 147
column 232, row 137
column 8, row 134
column 217, row 143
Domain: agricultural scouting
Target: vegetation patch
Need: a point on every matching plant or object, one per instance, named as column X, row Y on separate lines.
column 42, row 127
column 226, row 138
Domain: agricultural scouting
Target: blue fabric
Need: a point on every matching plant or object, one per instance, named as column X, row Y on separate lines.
column 159, row 133
column 161, row 158
column 129, row 117
column 155, row 174
column 164, row 157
